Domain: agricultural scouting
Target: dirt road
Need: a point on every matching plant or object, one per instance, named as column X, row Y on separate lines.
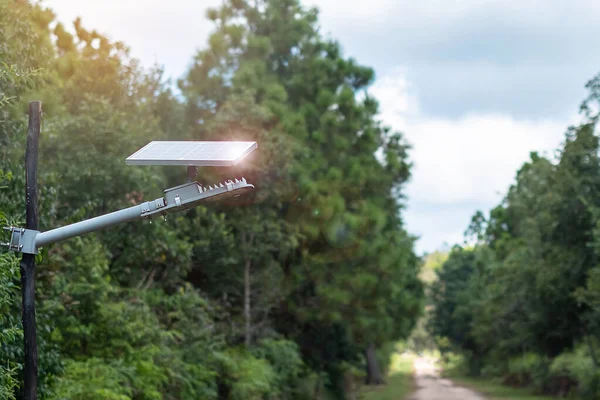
column 431, row 387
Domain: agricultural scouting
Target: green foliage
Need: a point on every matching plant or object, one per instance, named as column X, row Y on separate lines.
column 519, row 303
column 10, row 332
column 20, row 64
column 433, row 262
column 92, row 379
column 453, row 302
column 17, row 74
column 244, row 376
column 578, row 371
column 286, row 362
column 308, row 271
column 529, row 369
column 350, row 270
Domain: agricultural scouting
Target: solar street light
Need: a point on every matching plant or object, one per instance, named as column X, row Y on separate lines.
column 28, row 240
column 191, row 154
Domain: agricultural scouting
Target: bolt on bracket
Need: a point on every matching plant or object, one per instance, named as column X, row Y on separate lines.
column 21, row 240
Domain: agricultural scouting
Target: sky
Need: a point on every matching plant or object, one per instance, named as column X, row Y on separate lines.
column 474, row 85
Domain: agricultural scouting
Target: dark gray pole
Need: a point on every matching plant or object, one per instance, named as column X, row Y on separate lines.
column 28, row 261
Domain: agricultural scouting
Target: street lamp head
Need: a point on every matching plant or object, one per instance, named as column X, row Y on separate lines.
column 194, row 154
column 179, row 198
column 192, row 194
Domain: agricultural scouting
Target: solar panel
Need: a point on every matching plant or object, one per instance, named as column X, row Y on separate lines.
column 204, row 154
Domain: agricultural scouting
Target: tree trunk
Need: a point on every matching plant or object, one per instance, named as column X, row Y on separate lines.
column 373, row 372
column 247, row 242
column 317, row 392
column 247, row 309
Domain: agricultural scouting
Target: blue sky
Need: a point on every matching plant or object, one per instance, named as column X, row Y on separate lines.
column 475, row 85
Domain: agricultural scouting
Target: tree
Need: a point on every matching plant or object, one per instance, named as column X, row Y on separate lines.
column 313, row 273
column 272, row 52
column 525, row 301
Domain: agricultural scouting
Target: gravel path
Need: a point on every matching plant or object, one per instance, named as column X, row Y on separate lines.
column 431, row 387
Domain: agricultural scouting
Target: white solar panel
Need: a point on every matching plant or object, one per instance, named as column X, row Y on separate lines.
column 208, row 153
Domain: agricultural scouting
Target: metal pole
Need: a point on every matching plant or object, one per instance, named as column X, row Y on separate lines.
column 192, row 171
column 90, row 225
column 28, row 260
column 181, row 197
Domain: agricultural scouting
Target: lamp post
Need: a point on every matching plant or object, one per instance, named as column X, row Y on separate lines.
column 179, row 198
column 29, row 240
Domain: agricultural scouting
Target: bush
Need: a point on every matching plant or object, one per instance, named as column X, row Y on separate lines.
column 493, row 370
column 285, row 361
column 575, row 372
column 454, row 363
column 92, row 379
column 10, row 332
column 243, row 376
column 530, row 369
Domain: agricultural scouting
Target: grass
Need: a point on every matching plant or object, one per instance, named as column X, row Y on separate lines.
column 399, row 383
column 494, row 390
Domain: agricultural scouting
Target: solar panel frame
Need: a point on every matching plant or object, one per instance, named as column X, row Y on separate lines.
column 192, row 153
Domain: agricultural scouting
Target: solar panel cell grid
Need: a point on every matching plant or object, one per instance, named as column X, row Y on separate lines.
column 206, row 153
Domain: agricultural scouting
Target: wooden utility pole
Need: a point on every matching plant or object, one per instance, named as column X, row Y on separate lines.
column 28, row 260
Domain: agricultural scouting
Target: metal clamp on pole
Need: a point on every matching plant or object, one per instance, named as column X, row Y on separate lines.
column 21, row 240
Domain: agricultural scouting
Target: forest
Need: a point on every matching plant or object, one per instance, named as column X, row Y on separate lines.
column 303, row 288
column 523, row 304
column 299, row 290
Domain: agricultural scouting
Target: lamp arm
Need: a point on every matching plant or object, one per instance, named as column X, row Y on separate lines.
column 179, row 198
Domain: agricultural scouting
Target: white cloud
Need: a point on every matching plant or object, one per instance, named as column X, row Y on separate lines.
column 459, row 163
column 438, row 227
column 474, row 157
column 396, row 97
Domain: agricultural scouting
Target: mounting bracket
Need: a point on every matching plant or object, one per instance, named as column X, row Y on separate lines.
column 21, row 240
